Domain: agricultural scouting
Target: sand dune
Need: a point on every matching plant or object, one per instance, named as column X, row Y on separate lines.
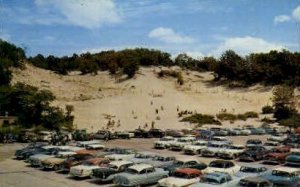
column 134, row 102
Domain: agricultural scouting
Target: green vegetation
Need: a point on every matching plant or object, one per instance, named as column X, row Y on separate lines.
column 31, row 105
column 201, row 119
column 267, row 109
column 172, row 73
column 232, row 117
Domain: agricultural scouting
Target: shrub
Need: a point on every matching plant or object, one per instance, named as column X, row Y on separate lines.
column 226, row 116
column 251, row 114
column 267, row 109
column 232, row 117
column 172, row 73
column 201, row 119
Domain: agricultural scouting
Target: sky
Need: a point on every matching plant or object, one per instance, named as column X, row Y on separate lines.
column 196, row 27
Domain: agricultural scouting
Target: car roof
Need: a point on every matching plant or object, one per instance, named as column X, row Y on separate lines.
column 188, row 171
column 140, row 167
column 286, row 169
column 186, row 159
column 120, row 162
column 221, row 161
column 216, row 175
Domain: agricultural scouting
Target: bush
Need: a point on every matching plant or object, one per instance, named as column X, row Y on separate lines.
column 201, row 119
column 226, row 116
column 251, row 115
column 267, row 109
column 232, row 117
column 172, row 73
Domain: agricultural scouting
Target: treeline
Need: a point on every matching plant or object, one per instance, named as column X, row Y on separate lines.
column 275, row 67
column 31, row 105
column 126, row 61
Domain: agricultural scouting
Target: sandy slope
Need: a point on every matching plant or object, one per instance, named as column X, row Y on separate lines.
column 134, row 102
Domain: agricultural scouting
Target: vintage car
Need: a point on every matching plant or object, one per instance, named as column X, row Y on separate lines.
column 216, row 179
column 254, row 182
column 174, row 133
column 284, row 176
column 271, row 144
column 85, row 169
column 81, row 135
column 181, row 142
column 156, row 133
column 104, row 135
column 257, row 131
column 164, row 142
column 234, row 131
column 277, row 155
column 231, row 152
column 96, row 146
column 222, row 166
column 245, row 132
column 251, row 171
column 142, row 157
column 181, row 177
column 121, row 154
column 195, row 147
column 53, row 163
column 253, row 153
column 124, row 135
column 141, row 133
column 160, row 161
column 293, row 159
column 277, row 137
column 220, row 139
column 107, row 174
column 140, row 174
column 213, row 148
column 36, row 159
column 22, row 153
column 84, row 144
column 74, row 160
column 253, row 142
column 219, row 131
column 44, row 136
column 185, row 162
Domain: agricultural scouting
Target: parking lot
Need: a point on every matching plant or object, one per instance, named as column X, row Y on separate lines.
column 18, row 173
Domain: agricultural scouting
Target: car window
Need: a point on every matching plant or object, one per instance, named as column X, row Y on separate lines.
column 191, row 163
column 150, row 170
column 143, row 171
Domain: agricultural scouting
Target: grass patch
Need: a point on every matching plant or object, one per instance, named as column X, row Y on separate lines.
column 201, row 119
column 172, row 73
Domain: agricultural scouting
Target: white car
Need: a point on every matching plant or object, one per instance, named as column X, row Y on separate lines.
column 216, row 179
column 213, row 148
column 271, row 144
column 195, row 147
column 245, row 132
column 87, row 167
column 224, row 166
column 96, row 146
column 181, row 177
column 231, row 152
column 277, row 138
column 181, row 142
column 122, row 154
column 86, row 143
column 164, row 142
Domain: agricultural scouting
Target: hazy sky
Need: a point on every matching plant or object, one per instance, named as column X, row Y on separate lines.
column 197, row 27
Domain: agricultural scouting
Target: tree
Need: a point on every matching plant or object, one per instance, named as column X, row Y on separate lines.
column 283, row 102
column 130, row 69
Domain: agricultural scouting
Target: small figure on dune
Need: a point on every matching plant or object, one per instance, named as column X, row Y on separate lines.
column 162, row 107
column 156, row 110
column 151, row 103
column 146, row 125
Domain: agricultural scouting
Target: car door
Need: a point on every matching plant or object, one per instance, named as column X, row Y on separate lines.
column 152, row 175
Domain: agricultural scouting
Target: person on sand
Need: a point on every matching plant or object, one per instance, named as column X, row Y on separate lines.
column 156, row 110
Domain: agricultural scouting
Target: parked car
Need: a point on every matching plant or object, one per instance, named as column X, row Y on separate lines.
column 164, row 142
column 222, row 166
column 161, row 161
column 74, row 160
column 253, row 142
column 81, row 135
column 271, row 144
column 245, row 132
column 124, row 135
column 277, row 137
column 293, row 160
column 277, row 155
column 44, row 136
column 253, row 153
column 234, row 131
column 37, row 157
column 257, row 131
column 85, row 169
column 185, row 162
column 140, row 174
column 181, row 142
column 24, row 152
column 195, row 148
column 121, row 154
column 142, row 157
column 156, row 133
column 251, row 171
column 53, row 163
column 213, row 148
column 181, row 177
column 107, row 174
column 96, row 146
column 254, row 182
column 219, row 131
column 141, row 133
column 218, row 179
column 231, row 152
column 174, row 133
column 84, row 144
column 104, row 135
column 284, row 176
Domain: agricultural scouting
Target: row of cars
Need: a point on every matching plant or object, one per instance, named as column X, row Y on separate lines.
column 126, row 167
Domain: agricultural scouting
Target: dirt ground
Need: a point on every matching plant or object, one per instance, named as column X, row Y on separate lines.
column 16, row 173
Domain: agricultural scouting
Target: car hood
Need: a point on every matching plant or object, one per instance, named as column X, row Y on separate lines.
column 40, row 156
column 54, row 160
column 175, row 181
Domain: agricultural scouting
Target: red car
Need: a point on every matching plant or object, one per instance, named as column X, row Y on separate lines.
column 277, row 155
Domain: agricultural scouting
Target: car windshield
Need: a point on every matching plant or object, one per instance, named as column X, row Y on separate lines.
column 246, row 169
column 159, row 158
column 215, row 145
column 217, row 165
column 236, row 147
column 199, row 143
column 210, row 180
column 178, row 162
column 132, row 171
column 141, row 156
column 281, row 173
column 111, row 166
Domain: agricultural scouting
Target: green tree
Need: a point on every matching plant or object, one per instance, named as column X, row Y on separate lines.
column 130, row 69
